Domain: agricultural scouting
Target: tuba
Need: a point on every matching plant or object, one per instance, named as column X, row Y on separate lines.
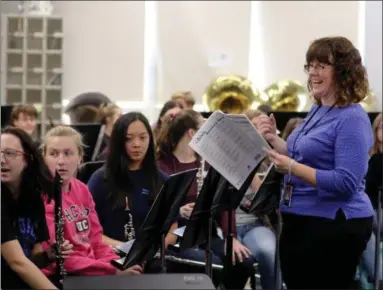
column 290, row 96
column 230, row 94
column 369, row 103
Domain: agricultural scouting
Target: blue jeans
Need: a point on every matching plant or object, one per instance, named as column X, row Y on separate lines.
column 261, row 242
column 367, row 262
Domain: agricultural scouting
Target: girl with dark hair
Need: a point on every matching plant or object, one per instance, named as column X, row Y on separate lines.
column 175, row 155
column 125, row 187
column 170, row 108
column 24, row 179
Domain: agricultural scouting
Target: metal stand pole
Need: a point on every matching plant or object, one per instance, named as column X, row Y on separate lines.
column 377, row 241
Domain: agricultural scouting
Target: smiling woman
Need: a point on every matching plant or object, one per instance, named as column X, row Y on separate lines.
column 325, row 160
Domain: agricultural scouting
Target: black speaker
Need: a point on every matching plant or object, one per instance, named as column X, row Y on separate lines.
column 145, row 281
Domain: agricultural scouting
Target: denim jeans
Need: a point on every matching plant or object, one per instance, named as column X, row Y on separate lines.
column 367, row 262
column 261, row 242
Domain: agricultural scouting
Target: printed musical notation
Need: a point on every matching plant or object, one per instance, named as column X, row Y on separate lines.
column 231, row 144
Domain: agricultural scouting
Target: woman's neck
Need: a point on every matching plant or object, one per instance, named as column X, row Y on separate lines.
column 184, row 153
column 14, row 189
column 135, row 166
column 66, row 186
column 328, row 100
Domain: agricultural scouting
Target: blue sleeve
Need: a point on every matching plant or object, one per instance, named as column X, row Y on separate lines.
column 351, row 153
column 96, row 185
column 163, row 175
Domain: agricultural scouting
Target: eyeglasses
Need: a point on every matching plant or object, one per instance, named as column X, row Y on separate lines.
column 11, row 153
column 317, row 67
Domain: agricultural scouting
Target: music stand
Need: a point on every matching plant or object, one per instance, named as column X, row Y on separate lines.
column 86, row 170
column 262, row 203
column 212, row 200
column 374, row 190
column 158, row 221
column 258, row 203
column 92, row 135
column 6, row 112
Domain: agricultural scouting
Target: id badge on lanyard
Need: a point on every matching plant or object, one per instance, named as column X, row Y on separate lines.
column 287, row 194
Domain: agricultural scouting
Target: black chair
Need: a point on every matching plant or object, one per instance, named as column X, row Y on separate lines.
column 87, row 169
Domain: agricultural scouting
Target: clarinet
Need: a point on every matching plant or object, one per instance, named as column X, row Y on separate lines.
column 129, row 232
column 59, row 228
column 201, row 174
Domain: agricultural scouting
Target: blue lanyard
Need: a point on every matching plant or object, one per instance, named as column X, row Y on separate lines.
column 308, row 121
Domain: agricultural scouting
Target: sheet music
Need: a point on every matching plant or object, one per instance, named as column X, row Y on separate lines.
column 125, row 247
column 180, row 231
column 231, row 144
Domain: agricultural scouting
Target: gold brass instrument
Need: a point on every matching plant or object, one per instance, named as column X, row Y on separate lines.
column 230, row 94
column 234, row 94
column 286, row 95
column 369, row 103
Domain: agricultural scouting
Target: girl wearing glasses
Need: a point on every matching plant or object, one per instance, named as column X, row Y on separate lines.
column 327, row 216
column 24, row 178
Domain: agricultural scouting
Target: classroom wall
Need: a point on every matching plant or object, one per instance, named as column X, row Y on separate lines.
column 104, row 45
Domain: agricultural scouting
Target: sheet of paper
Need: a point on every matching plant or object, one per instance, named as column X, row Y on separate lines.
column 125, row 247
column 231, row 144
column 180, row 231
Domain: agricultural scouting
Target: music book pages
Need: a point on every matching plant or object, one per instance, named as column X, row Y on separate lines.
column 231, row 144
column 125, row 247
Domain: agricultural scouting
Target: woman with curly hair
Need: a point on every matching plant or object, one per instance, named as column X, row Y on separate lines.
column 327, row 216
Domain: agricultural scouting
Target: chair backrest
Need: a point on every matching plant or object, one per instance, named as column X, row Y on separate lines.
column 87, row 169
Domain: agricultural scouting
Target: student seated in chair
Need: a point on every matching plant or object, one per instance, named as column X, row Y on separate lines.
column 125, row 187
column 175, row 155
column 63, row 150
column 24, row 179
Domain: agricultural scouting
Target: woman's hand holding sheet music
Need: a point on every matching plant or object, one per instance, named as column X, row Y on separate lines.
column 186, row 210
column 281, row 162
column 267, row 127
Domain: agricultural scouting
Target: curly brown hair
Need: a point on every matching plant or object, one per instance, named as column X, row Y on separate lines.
column 350, row 75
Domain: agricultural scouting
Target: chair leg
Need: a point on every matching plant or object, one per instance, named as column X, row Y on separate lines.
column 253, row 282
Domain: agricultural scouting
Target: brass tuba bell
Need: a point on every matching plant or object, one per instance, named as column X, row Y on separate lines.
column 230, row 94
column 286, row 95
column 369, row 103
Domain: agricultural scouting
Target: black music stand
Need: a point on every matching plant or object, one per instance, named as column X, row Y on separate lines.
column 6, row 112
column 374, row 179
column 92, row 135
column 158, row 221
column 262, row 203
column 86, row 170
column 216, row 195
